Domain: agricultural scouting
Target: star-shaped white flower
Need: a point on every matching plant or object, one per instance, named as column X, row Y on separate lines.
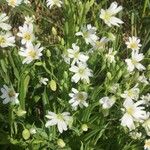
column 6, row 39
column 14, row 3
column 108, row 15
column 133, row 43
column 9, row 95
column 62, row 120
column 82, row 72
column 78, row 99
column 3, row 19
column 133, row 112
column 134, row 62
column 31, row 53
column 51, row 3
column 76, row 55
column 89, row 34
column 26, row 33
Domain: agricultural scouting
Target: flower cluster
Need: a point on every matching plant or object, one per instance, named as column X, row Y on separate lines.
column 87, row 78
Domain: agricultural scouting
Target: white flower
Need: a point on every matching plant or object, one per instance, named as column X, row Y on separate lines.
column 133, row 43
column 147, row 145
column 26, row 33
column 146, row 124
column 132, row 94
column 3, row 24
column 111, row 55
column 146, row 99
column 9, row 95
column 135, row 135
column 29, row 20
column 61, row 120
column 66, row 58
column 107, row 102
column 51, row 3
column 108, row 15
column 133, row 112
column 143, row 79
column 82, row 72
column 27, row 2
column 43, row 81
column 134, row 62
column 14, row 3
column 31, row 53
column 76, row 55
column 89, row 34
column 32, row 131
column 100, row 44
column 78, row 99
column 6, row 39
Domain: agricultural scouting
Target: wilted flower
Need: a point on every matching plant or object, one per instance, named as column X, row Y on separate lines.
column 9, row 95
column 135, row 135
column 132, row 94
column 108, row 15
column 107, row 102
column 110, row 56
column 100, row 44
column 143, row 79
column 61, row 120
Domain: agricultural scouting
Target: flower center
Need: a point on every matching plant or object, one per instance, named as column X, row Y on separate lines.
column 12, row 2
column 2, row 40
column 60, row 117
column 134, row 62
column 86, row 34
column 32, row 53
column 147, row 143
column 130, row 110
column 76, row 54
column 27, row 36
column 80, row 96
column 11, row 93
column 99, row 44
column 81, row 71
column 107, row 16
column 133, row 45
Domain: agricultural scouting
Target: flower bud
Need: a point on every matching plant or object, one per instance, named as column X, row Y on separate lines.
column 84, row 127
column 61, row 143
